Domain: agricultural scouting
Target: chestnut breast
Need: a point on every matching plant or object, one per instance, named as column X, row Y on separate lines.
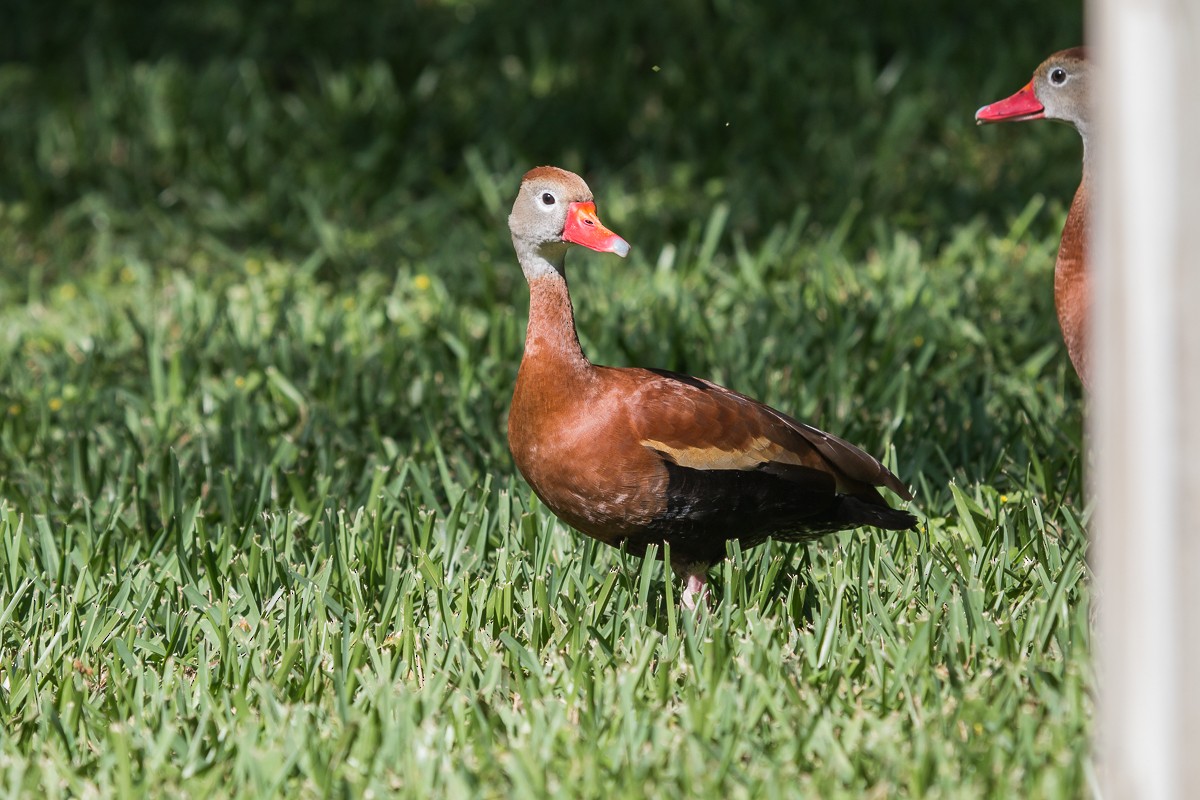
column 571, row 436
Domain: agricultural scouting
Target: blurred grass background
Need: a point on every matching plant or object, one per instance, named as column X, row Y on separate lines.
column 259, row 325
column 247, row 120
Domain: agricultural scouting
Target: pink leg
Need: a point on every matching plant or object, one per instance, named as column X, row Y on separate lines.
column 695, row 593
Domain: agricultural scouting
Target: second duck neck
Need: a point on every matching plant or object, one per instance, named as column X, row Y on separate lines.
column 1072, row 297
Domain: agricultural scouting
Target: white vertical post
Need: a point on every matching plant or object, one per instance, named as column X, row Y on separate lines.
column 1145, row 409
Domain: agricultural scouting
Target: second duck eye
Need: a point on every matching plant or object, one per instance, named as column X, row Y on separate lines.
column 547, row 198
column 1058, row 76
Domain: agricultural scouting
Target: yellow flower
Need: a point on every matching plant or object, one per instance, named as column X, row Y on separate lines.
column 239, row 382
column 422, row 283
column 1003, row 498
column 14, row 409
column 55, row 404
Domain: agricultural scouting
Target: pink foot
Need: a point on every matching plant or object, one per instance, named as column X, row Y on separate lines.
column 695, row 592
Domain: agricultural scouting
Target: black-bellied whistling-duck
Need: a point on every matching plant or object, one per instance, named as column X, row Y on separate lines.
column 1059, row 90
column 638, row 456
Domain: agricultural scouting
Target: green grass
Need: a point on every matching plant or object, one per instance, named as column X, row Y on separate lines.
column 259, row 325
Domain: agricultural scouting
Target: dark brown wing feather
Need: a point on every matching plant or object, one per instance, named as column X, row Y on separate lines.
column 698, row 424
column 737, row 469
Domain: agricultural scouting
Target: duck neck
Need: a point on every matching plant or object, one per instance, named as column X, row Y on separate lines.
column 1072, row 297
column 1084, row 131
column 551, row 334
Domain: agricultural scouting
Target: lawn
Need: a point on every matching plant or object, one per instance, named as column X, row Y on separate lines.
column 260, row 319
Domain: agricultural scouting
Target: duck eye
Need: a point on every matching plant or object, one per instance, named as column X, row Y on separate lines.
column 547, row 198
column 1058, row 76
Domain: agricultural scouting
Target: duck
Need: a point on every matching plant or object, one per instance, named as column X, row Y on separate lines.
column 1059, row 90
column 634, row 457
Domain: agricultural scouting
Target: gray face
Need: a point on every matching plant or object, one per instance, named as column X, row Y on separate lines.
column 554, row 209
column 1061, row 85
column 540, row 211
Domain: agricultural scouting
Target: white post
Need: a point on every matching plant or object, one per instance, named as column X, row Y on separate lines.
column 1145, row 410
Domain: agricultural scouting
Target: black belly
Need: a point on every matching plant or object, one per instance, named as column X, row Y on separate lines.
column 706, row 508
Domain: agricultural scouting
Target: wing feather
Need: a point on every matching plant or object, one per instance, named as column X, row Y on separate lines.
column 697, row 424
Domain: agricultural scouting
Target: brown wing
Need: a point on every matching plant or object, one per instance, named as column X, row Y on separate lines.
column 697, row 424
